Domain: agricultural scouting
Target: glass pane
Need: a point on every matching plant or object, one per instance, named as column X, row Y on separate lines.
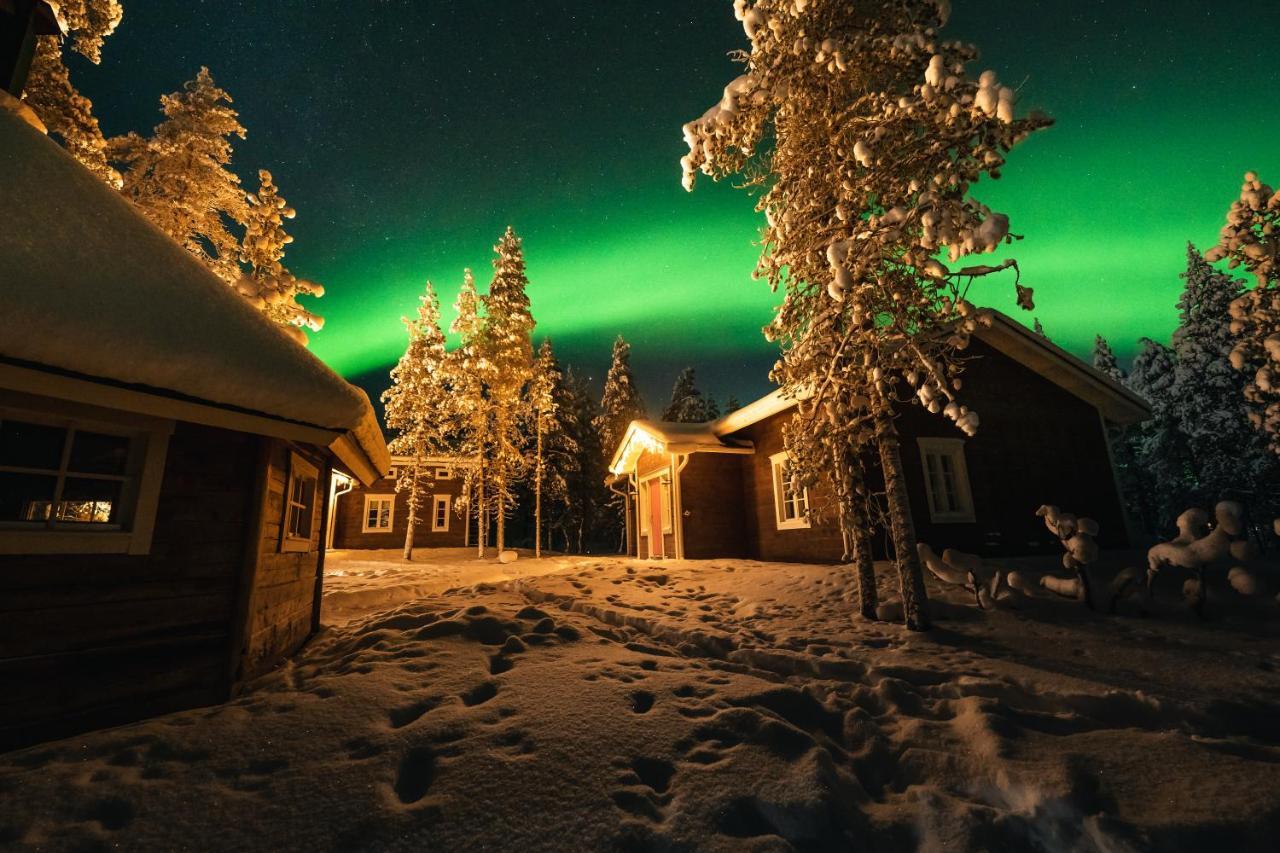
column 90, row 501
column 25, row 445
column 26, row 497
column 372, row 520
column 96, row 453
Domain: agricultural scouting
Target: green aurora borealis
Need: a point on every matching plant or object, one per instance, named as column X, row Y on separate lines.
column 409, row 135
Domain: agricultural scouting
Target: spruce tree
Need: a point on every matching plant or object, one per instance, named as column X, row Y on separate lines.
column 731, row 405
column 873, row 94
column 687, row 404
column 1231, row 460
column 1135, row 483
column 1105, row 361
column 506, row 368
column 621, row 403
column 1160, row 446
column 268, row 285
column 180, row 176
column 551, row 451
column 589, row 504
column 466, row 366
column 1038, row 328
column 66, row 113
column 419, row 407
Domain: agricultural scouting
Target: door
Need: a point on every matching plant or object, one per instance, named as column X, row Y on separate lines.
column 656, row 544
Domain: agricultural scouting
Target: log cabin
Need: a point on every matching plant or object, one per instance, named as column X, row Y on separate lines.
column 374, row 516
column 162, row 450
column 718, row 489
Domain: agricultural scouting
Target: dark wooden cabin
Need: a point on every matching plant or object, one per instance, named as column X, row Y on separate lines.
column 373, row 516
column 165, row 453
column 717, row 489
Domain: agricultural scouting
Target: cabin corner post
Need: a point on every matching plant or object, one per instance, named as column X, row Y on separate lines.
column 252, row 559
column 324, row 532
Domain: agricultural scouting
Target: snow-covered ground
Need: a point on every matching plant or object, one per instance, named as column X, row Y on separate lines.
column 613, row 704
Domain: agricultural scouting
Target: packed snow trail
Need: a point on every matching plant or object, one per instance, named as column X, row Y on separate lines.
column 720, row 705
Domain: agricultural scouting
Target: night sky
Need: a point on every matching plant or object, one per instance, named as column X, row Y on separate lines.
column 409, row 133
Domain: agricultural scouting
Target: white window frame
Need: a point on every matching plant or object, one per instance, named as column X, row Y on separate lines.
column 149, row 445
column 953, row 449
column 299, row 469
column 436, row 502
column 443, row 474
column 663, row 476
column 777, row 471
column 391, row 513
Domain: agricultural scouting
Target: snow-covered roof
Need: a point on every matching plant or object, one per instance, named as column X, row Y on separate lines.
column 1116, row 403
column 668, row 437
column 88, row 287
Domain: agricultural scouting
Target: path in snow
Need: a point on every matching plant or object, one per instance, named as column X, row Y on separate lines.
column 722, row 705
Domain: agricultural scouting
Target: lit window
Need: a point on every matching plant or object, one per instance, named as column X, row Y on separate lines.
column 790, row 504
column 440, row 514
column 379, row 513
column 65, row 477
column 946, row 480
column 300, row 504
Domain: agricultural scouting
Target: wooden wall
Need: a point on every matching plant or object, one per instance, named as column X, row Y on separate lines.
column 278, row 593
column 348, row 520
column 712, row 497
column 88, row 641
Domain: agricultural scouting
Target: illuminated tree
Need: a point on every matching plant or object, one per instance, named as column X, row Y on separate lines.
column 66, row 113
column 553, row 448
column 419, row 407
column 1251, row 238
column 466, row 363
column 621, row 403
column 269, row 286
column 863, row 134
column 180, row 176
column 506, row 367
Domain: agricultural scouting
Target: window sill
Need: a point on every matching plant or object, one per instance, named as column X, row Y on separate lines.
column 296, row 546
column 802, row 524
column 71, row 543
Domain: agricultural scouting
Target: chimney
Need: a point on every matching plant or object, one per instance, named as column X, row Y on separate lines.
column 21, row 23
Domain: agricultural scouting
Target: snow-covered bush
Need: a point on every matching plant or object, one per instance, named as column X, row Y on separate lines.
column 1077, row 538
column 1200, row 547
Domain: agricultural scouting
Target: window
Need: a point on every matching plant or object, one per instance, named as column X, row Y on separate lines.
column 791, row 505
column 444, row 474
column 440, row 514
column 71, row 485
column 946, row 480
column 379, row 513
column 299, row 504
column 659, row 484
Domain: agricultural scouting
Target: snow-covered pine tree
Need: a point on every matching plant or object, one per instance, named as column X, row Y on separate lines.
column 467, row 366
column 621, row 403
column 508, row 357
column 269, row 285
column 179, row 177
column 1105, row 361
column 1160, row 446
column 731, row 405
column 872, row 92
column 1251, row 238
column 687, row 405
column 544, row 407
column 419, row 407
column 1231, row 458
column 66, row 113
column 1038, row 328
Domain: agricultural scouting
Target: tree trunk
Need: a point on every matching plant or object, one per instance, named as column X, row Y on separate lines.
column 481, row 514
column 537, row 499
column 500, row 492
column 855, row 527
column 915, row 601
column 413, row 513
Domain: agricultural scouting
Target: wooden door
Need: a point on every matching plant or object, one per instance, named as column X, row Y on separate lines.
column 656, row 543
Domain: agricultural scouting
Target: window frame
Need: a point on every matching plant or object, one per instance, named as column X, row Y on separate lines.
column 953, row 449
column 436, row 502
column 141, row 482
column 777, row 468
column 391, row 513
column 441, row 473
column 299, row 468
